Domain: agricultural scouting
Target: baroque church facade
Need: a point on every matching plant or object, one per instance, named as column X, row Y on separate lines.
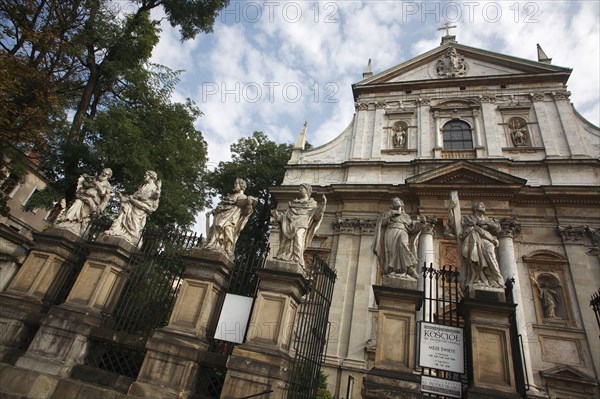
column 496, row 129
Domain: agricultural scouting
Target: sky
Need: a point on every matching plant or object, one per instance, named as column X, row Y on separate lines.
column 272, row 65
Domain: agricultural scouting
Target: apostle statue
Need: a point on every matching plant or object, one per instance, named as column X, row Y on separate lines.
column 298, row 225
column 478, row 243
column 135, row 209
column 229, row 218
column 395, row 242
column 91, row 197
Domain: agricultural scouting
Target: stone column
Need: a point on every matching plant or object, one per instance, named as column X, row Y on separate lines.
column 377, row 129
column 490, row 127
column 36, row 285
column 392, row 373
column 508, row 268
column 61, row 341
column 477, row 140
column 173, row 352
column 426, row 254
column 489, row 356
column 263, row 361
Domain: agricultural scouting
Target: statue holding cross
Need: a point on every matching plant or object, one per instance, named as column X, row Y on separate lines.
column 477, row 241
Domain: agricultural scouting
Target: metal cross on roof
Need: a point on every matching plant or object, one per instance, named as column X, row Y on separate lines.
column 447, row 27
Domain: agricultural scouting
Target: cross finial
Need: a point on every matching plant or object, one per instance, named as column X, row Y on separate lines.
column 447, row 28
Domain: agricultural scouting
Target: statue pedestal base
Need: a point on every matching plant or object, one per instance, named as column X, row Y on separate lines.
column 487, row 330
column 173, row 352
column 35, row 286
column 392, row 374
column 264, row 361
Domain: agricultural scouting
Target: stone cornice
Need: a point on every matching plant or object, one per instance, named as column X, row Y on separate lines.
column 354, row 225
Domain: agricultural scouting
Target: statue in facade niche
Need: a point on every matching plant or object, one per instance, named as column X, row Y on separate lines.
column 518, row 129
column 229, row 218
column 298, row 224
column 399, row 136
column 478, row 243
column 396, row 240
column 91, row 198
column 135, row 209
column 547, row 287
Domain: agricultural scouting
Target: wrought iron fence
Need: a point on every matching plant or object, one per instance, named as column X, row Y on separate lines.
column 310, row 330
column 521, row 383
column 442, row 295
column 145, row 304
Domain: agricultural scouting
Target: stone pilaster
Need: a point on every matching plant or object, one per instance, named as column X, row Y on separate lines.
column 263, row 361
column 549, row 134
column 392, row 374
column 36, row 285
column 489, row 354
column 173, row 352
column 62, row 340
column 425, row 137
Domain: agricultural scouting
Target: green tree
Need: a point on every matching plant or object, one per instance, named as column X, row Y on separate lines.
column 88, row 59
column 260, row 161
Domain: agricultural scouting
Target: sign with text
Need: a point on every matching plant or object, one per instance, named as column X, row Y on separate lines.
column 441, row 387
column 442, row 347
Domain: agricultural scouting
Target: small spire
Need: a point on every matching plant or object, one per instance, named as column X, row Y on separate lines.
column 301, row 142
column 542, row 57
column 368, row 73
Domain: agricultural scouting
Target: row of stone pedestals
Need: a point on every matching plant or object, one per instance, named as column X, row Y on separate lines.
column 173, row 353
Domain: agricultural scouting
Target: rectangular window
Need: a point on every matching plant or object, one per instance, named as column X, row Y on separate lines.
column 10, row 185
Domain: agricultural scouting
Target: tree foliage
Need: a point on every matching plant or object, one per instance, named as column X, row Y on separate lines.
column 72, row 71
column 260, row 161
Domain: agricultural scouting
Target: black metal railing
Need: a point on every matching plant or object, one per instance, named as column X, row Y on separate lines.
column 310, row 330
column 595, row 304
column 521, row 383
column 442, row 295
column 145, row 304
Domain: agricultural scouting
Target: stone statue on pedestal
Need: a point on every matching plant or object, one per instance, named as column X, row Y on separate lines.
column 477, row 238
column 135, row 208
column 298, row 225
column 91, row 198
column 229, row 218
column 396, row 240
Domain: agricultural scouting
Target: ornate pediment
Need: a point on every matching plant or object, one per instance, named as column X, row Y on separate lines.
column 454, row 62
column 465, row 173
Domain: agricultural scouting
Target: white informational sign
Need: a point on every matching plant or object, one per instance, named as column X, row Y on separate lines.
column 234, row 317
column 442, row 347
column 441, row 387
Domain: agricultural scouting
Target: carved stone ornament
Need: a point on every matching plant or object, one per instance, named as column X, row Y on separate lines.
column 423, row 101
column 518, row 131
column 595, row 236
column 347, row 225
column 561, row 95
column 487, row 99
column 570, row 233
column 509, row 227
column 536, row 96
column 361, row 106
column 451, row 65
column 428, row 225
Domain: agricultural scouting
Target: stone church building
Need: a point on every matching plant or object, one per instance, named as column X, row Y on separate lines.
column 496, row 129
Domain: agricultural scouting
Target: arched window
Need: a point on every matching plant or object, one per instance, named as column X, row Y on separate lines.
column 457, row 135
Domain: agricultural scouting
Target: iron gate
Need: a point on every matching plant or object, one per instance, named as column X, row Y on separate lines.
column 250, row 256
column 310, row 331
column 442, row 295
column 155, row 274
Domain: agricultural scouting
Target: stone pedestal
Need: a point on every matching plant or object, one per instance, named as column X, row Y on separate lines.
column 61, row 341
column 392, row 374
column 489, row 355
column 35, row 286
column 171, row 364
column 263, row 362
